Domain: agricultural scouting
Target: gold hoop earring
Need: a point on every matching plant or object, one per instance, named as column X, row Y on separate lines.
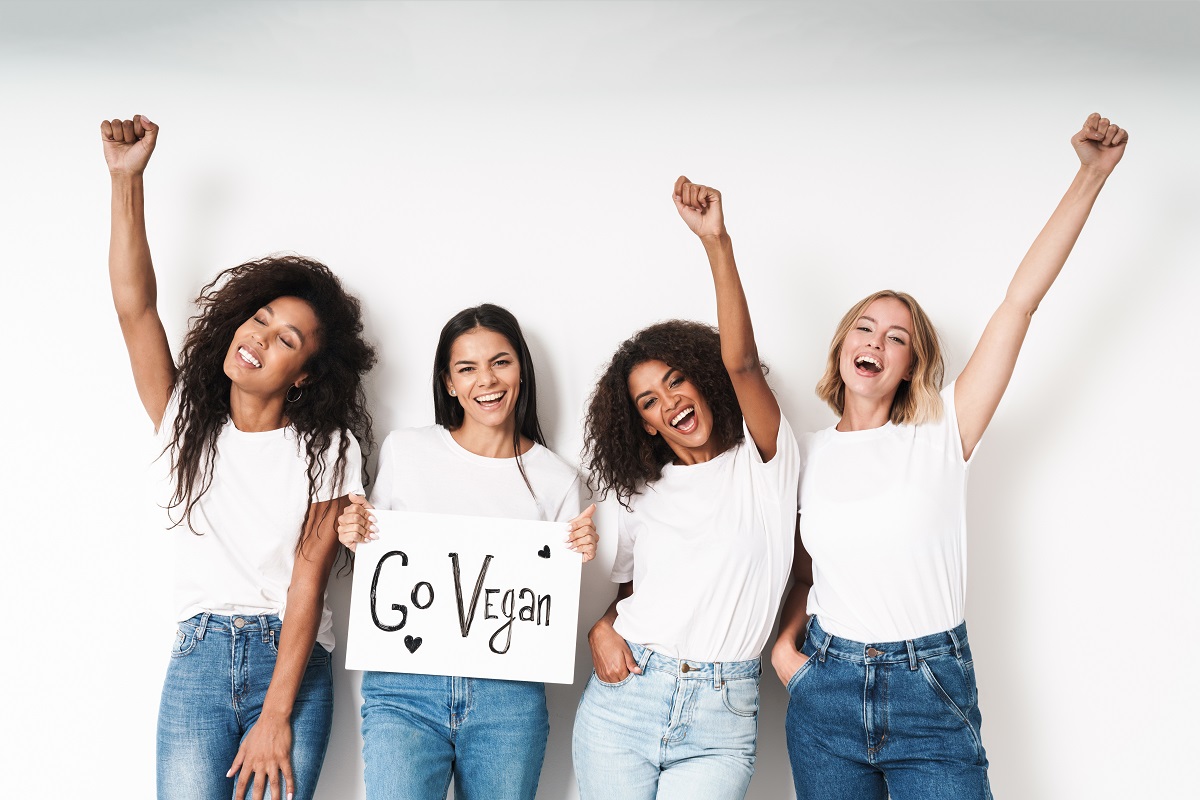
column 299, row 393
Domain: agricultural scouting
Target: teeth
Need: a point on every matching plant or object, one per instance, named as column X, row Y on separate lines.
column 680, row 416
column 868, row 360
column 487, row 398
column 246, row 354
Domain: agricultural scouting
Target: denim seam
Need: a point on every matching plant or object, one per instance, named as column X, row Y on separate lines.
column 932, row 680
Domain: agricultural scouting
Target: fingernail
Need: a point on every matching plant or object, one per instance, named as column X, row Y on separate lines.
column 372, row 518
column 374, row 529
column 229, row 774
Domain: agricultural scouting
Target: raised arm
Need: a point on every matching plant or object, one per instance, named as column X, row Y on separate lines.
column 127, row 148
column 265, row 752
column 1099, row 145
column 700, row 207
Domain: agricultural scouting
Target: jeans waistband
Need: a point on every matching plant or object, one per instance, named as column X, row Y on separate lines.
column 686, row 669
column 908, row 650
column 234, row 625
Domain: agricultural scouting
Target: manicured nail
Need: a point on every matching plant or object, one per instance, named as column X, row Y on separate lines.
column 374, row 529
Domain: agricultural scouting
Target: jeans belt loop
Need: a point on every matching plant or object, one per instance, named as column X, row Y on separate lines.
column 203, row 626
column 912, row 655
column 718, row 681
column 645, row 659
column 957, row 644
column 264, row 627
column 825, row 647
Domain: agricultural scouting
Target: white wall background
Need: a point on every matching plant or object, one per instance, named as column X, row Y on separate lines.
column 440, row 155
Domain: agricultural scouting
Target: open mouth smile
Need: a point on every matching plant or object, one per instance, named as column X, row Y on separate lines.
column 490, row 401
column 868, row 365
column 248, row 358
column 685, row 420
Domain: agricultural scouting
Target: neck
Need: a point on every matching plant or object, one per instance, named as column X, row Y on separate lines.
column 252, row 413
column 489, row 442
column 686, row 457
column 865, row 413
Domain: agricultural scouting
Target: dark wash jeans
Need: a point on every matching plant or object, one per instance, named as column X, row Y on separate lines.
column 866, row 720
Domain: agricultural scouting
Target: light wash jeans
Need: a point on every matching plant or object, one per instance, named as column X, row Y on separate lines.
column 216, row 683
column 866, row 720
column 418, row 730
column 681, row 729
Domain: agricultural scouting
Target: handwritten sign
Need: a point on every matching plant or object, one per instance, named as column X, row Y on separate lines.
column 475, row 597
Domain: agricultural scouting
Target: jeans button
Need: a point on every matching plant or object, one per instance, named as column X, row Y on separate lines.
column 873, row 653
column 685, row 667
column 238, row 622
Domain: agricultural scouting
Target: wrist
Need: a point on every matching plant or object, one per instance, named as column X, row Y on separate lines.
column 716, row 240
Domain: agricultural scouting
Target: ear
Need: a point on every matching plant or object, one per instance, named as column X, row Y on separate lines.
column 650, row 429
column 301, row 380
column 912, row 366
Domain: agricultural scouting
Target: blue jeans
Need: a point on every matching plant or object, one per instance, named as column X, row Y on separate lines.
column 418, row 730
column 681, row 729
column 216, row 683
column 866, row 721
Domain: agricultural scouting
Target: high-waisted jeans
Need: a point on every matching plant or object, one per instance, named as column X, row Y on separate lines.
column 869, row 720
column 216, row 683
column 681, row 729
column 419, row 730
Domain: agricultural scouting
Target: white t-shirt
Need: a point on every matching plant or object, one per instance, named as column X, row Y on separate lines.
column 425, row 470
column 883, row 515
column 709, row 549
column 249, row 523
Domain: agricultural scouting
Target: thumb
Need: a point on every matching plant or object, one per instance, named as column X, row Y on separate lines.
column 149, row 126
column 357, row 499
column 630, row 663
column 589, row 511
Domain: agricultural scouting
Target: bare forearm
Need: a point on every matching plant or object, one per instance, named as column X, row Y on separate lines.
column 738, row 349
column 130, row 269
column 1053, row 245
column 300, row 626
column 794, row 615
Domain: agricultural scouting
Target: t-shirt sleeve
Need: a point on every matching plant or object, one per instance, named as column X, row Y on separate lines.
column 786, row 463
column 351, row 479
column 381, row 492
column 622, row 570
column 953, row 439
column 571, row 503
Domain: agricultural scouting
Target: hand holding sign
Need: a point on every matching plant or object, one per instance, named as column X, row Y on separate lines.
column 474, row 597
column 356, row 524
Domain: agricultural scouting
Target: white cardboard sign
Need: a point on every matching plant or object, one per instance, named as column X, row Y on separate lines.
column 478, row 597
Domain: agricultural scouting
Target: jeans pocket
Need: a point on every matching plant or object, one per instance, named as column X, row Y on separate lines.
column 616, row 685
column 799, row 674
column 185, row 641
column 740, row 696
column 953, row 682
column 318, row 657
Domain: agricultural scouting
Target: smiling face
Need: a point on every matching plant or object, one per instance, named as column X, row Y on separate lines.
column 269, row 350
column 877, row 353
column 485, row 375
column 673, row 407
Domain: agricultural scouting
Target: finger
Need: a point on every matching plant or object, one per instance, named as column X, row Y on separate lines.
column 147, row 125
column 240, row 790
column 106, row 130
column 127, row 131
column 1121, row 137
column 260, row 785
column 680, row 182
column 1091, row 121
column 237, row 764
column 630, row 663
column 289, row 778
column 138, row 130
column 118, row 130
column 1110, row 133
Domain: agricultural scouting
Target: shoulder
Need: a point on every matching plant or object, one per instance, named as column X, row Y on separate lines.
column 404, row 440
column 550, row 467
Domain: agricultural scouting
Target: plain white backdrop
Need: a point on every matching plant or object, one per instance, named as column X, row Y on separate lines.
column 438, row 155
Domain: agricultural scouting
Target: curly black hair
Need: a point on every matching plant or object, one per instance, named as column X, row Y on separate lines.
column 620, row 456
column 333, row 399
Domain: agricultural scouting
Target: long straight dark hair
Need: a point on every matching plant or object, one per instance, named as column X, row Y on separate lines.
column 449, row 413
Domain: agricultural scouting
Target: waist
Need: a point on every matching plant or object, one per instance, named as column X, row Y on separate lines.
column 688, row 669
column 825, row 644
column 233, row 625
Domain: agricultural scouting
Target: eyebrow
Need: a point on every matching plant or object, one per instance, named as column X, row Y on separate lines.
column 650, row 391
column 897, row 327
column 290, row 327
column 493, row 358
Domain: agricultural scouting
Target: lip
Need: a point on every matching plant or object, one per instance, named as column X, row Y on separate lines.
column 243, row 361
column 866, row 373
column 497, row 398
column 683, row 421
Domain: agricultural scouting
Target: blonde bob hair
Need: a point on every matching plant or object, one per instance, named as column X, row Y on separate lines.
column 917, row 400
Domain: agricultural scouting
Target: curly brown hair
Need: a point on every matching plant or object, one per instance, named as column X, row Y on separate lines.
column 333, row 400
column 620, row 456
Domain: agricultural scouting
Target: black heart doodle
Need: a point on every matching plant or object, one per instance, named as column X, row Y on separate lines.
column 545, row 551
column 412, row 643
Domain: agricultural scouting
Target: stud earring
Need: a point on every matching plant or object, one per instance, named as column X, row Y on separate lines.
column 452, row 392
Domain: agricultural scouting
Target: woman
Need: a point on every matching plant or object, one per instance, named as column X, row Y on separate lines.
column 684, row 429
column 486, row 457
column 883, row 696
column 260, row 416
